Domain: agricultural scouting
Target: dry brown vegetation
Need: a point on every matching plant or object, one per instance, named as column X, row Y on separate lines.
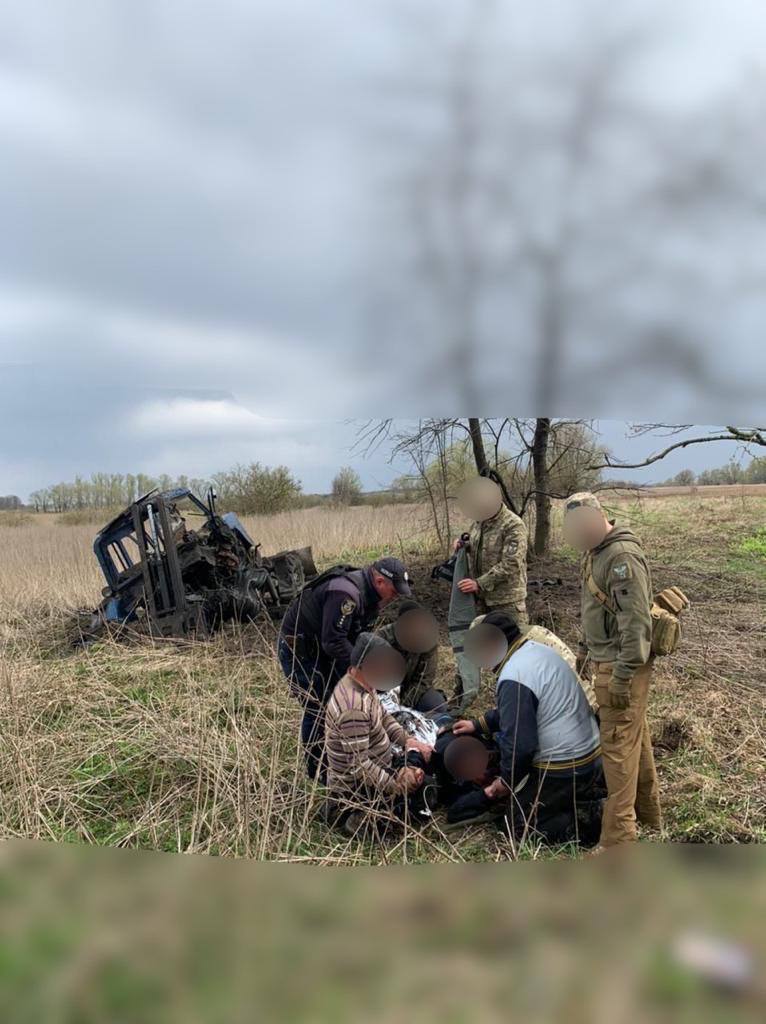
column 192, row 747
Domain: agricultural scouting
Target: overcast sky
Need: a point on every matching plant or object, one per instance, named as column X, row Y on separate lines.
column 191, row 229
column 196, row 437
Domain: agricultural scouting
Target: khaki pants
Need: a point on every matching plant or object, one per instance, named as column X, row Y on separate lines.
column 518, row 612
column 631, row 778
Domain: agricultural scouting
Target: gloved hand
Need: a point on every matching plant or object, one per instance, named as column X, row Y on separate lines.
column 619, row 693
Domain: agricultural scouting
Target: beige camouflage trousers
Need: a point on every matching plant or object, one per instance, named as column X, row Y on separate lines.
column 631, row 778
column 518, row 611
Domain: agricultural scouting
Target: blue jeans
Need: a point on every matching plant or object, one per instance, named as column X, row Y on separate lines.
column 310, row 683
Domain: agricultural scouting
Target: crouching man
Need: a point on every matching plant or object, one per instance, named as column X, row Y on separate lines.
column 375, row 771
column 550, row 774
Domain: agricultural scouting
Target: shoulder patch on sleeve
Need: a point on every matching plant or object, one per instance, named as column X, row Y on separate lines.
column 622, row 571
column 347, row 606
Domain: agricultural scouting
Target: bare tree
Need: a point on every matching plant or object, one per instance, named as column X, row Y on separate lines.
column 536, row 461
column 746, row 437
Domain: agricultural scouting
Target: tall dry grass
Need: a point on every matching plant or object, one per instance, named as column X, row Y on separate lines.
column 193, row 746
column 46, row 565
column 188, row 747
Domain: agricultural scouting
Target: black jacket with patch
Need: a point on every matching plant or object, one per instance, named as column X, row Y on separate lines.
column 324, row 621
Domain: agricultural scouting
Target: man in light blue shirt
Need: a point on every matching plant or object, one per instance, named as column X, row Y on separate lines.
column 550, row 778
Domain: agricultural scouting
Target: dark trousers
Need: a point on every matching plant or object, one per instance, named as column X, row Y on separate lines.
column 560, row 807
column 311, row 683
column 385, row 812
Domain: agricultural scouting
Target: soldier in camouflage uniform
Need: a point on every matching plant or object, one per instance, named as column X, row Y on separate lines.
column 417, row 689
column 617, row 630
column 497, row 559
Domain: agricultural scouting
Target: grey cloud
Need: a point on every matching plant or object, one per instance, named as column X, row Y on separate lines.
column 207, row 195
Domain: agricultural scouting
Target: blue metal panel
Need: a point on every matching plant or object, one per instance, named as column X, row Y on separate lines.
column 233, row 521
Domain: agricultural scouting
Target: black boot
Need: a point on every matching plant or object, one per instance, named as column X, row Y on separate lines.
column 473, row 808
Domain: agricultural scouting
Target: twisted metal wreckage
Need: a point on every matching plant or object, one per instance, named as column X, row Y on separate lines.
column 165, row 578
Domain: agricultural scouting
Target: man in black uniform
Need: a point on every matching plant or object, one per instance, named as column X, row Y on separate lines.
column 318, row 633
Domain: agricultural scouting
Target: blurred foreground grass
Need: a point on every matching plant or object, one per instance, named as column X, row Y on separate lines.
column 660, row 934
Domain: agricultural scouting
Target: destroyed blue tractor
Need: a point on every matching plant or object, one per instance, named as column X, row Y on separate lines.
column 175, row 567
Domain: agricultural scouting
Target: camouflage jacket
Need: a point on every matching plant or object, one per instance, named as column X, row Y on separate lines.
column 420, row 669
column 497, row 557
column 620, row 570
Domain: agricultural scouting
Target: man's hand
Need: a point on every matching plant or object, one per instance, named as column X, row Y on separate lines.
column 424, row 749
column 463, row 727
column 457, row 543
column 410, row 778
column 468, row 586
column 619, row 693
column 496, row 790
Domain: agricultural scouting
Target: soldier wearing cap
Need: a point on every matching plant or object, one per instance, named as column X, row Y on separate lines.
column 318, row 632
column 617, row 630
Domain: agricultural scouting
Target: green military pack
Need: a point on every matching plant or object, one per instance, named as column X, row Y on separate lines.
column 666, row 608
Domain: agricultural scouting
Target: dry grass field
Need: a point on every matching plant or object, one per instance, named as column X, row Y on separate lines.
column 191, row 747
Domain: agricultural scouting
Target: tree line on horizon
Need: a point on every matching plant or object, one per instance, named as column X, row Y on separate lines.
column 247, row 489
column 732, row 473
column 257, row 489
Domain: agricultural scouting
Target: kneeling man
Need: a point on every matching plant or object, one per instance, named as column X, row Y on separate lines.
column 374, row 769
column 550, row 774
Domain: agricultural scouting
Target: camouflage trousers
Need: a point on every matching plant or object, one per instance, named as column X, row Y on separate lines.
column 517, row 611
column 626, row 750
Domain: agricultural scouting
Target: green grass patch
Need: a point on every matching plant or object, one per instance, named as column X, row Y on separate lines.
column 755, row 545
column 748, row 557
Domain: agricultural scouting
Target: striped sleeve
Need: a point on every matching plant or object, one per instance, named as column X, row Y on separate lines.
column 353, row 738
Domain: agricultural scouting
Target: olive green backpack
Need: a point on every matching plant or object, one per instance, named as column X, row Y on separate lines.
column 666, row 609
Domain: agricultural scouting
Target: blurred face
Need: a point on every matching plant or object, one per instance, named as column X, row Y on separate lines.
column 585, row 528
column 416, row 631
column 485, row 645
column 468, row 759
column 479, row 499
column 385, row 589
column 382, row 669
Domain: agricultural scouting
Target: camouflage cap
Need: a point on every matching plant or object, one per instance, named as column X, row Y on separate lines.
column 583, row 499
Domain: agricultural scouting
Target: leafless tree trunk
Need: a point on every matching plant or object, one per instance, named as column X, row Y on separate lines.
column 542, row 491
column 477, row 442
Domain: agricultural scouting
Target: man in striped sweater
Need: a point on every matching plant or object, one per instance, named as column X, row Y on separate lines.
column 372, row 764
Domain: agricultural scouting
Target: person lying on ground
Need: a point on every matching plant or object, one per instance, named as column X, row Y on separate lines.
column 550, row 777
column 373, row 767
column 463, row 766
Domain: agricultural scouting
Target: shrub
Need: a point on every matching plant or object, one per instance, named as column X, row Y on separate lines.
column 347, row 487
